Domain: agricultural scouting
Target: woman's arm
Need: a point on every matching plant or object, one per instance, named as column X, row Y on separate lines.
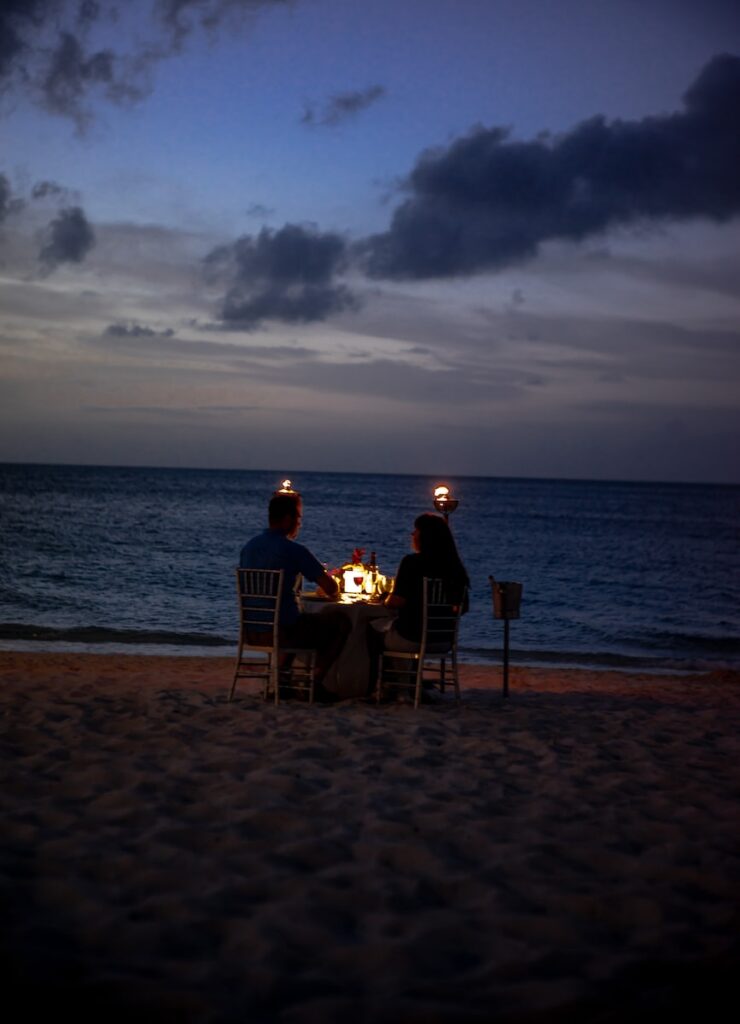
column 401, row 583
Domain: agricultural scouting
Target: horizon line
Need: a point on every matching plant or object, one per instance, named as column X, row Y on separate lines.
column 346, row 472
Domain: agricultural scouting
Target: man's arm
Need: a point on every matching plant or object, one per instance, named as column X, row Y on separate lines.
column 329, row 586
column 312, row 569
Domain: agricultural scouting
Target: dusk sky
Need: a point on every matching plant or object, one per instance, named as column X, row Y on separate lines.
column 489, row 237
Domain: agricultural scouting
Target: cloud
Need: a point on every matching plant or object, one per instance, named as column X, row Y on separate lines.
column 260, row 211
column 342, row 106
column 55, row 49
column 70, row 237
column 488, row 201
column 183, row 17
column 43, row 189
column 165, row 344
column 46, row 51
column 5, row 197
column 9, row 203
column 71, row 73
column 288, row 275
column 136, row 331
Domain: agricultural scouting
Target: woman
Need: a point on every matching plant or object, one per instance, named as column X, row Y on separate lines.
column 435, row 557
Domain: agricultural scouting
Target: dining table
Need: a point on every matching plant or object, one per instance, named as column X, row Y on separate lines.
column 350, row 674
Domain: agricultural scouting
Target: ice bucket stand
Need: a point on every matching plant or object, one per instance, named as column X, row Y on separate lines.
column 507, row 599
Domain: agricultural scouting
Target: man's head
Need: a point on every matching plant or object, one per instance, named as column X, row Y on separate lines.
column 285, row 513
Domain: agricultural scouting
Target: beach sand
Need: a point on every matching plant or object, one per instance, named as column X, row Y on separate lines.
column 569, row 855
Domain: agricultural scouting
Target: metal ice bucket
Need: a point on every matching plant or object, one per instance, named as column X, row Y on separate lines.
column 507, row 599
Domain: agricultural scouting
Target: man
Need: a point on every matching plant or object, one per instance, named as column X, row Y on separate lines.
column 276, row 548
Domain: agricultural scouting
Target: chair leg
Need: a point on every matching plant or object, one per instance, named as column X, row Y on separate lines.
column 455, row 679
column 236, row 670
column 442, row 676
column 274, row 670
column 419, row 681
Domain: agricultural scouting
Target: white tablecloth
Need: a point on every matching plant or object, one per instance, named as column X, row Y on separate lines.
column 350, row 673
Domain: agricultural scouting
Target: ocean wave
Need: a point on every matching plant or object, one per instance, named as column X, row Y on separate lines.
column 162, row 641
column 103, row 635
column 685, row 641
column 600, row 659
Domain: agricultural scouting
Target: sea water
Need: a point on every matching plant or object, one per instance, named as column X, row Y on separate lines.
column 625, row 575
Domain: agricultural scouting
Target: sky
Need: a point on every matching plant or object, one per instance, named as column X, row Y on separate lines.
column 449, row 237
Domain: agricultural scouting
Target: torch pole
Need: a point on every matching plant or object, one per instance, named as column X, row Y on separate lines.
column 506, row 657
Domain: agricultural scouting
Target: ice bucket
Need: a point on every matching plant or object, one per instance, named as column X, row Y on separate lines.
column 507, row 597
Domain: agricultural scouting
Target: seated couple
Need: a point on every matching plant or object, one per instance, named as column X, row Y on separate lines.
column 435, row 555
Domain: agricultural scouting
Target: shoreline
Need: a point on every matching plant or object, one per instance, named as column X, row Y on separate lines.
column 525, row 660
column 567, row 855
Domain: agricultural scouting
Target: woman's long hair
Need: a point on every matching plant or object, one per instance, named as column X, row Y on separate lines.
column 438, row 548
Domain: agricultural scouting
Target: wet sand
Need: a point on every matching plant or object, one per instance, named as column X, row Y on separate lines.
column 572, row 854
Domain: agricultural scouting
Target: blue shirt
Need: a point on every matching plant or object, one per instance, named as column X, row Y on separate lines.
column 271, row 549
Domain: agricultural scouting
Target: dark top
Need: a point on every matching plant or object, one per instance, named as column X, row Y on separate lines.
column 271, row 549
column 410, row 585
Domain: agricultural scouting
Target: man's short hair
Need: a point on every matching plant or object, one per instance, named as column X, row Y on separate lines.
column 282, row 505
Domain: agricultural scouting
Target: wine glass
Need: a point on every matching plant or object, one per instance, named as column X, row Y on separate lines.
column 359, row 578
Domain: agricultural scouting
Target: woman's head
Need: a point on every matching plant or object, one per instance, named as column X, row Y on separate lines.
column 433, row 539
column 431, row 534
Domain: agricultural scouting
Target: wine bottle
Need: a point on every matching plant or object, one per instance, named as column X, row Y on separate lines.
column 373, row 570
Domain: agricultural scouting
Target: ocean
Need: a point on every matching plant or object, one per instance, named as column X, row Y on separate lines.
column 633, row 576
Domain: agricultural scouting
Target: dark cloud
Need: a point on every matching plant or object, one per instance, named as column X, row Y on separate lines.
column 182, row 17
column 165, row 345
column 287, row 275
column 5, row 197
column 8, row 202
column 18, row 20
column 71, row 73
column 40, row 191
column 488, row 201
column 47, row 48
column 260, row 211
column 70, row 237
column 342, row 106
column 43, row 189
column 136, row 331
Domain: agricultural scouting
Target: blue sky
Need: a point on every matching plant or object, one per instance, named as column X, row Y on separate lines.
column 294, row 237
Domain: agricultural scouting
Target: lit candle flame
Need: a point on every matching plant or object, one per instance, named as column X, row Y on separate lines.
column 286, row 485
column 442, row 491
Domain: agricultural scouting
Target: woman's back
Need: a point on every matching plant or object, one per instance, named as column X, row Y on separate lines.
column 436, row 558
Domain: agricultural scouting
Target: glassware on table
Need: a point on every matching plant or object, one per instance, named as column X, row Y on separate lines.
column 353, row 579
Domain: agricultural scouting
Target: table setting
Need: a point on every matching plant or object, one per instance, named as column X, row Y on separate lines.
column 362, row 591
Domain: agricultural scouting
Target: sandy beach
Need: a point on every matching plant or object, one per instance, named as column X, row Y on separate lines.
column 572, row 854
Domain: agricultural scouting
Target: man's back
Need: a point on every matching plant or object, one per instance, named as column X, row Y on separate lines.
column 272, row 549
